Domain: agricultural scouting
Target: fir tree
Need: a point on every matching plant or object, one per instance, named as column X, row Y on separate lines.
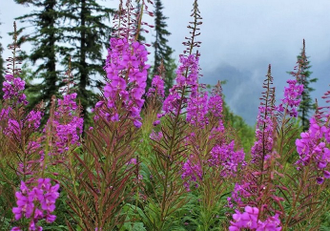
column 44, row 49
column 163, row 52
column 88, row 34
column 303, row 76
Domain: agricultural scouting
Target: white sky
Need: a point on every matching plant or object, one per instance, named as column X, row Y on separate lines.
column 242, row 35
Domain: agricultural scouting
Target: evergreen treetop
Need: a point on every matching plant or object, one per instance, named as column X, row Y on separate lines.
column 45, row 48
column 303, row 75
column 163, row 51
column 87, row 32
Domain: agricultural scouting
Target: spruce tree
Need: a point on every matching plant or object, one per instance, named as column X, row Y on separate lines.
column 303, row 76
column 87, row 31
column 43, row 56
column 163, row 52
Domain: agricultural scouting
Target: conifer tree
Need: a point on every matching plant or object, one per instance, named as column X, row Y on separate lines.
column 88, row 33
column 303, row 76
column 45, row 48
column 163, row 52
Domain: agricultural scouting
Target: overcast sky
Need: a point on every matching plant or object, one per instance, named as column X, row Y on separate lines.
column 239, row 39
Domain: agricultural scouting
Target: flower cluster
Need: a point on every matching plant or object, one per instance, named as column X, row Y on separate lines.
column 312, row 148
column 37, row 203
column 190, row 173
column 264, row 135
column 13, row 95
column 127, row 74
column 291, row 98
column 13, row 89
column 225, row 156
column 14, row 128
column 215, row 105
column 215, row 109
column 189, row 67
column 157, row 87
column 249, row 220
column 240, row 191
column 263, row 146
column 68, row 123
column 197, row 110
column 34, row 119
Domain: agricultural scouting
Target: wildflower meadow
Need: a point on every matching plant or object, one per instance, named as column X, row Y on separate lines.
column 151, row 161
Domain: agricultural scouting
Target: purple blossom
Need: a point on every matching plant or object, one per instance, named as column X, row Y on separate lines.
column 157, row 87
column 291, row 99
column 34, row 119
column 197, row 110
column 225, row 156
column 36, row 203
column 241, row 191
column 127, row 74
column 312, row 149
column 189, row 67
column 16, row 229
column 215, row 105
column 191, row 172
column 249, row 220
column 264, row 136
column 14, row 128
column 67, row 123
column 13, row 89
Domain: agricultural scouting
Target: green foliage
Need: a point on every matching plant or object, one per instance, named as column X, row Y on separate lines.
column 243, row 133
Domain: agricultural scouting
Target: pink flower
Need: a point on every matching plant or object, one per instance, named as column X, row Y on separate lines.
column 43, row 196
column 291, row 99
column 249, row 220
column 157, row 87
column 127, row 74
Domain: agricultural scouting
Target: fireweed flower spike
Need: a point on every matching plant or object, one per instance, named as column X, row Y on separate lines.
column 126, row 67
column 157, row 87
column 190, row 173
column 127, row 74
column 197, row 110
column 68, row 124
column 250, row 192
column 13, row 89
column 263, row 145
column 13, row 86
column 312, row 149
column 291, row 99
column 172, row 102
column 170, row 146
